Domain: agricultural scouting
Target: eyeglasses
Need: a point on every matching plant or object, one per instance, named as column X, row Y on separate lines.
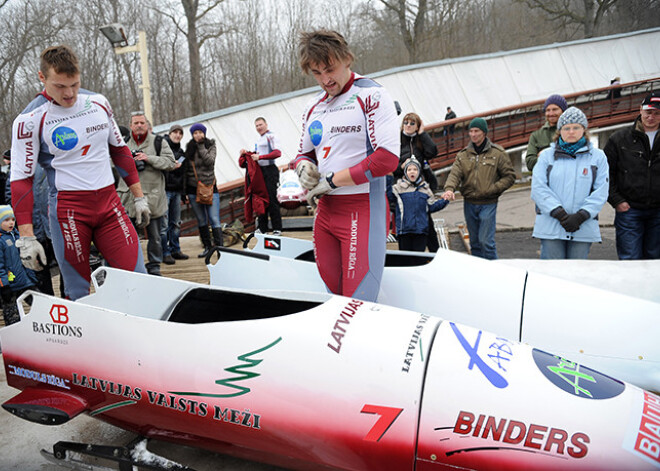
column 137, row 113
column 410, row 123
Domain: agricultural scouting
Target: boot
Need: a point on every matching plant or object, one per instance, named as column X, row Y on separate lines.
column 218, row 238
column 205, row 235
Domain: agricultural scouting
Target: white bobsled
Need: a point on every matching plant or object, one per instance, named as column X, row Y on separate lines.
column 608, row 331
column 290, row 193
column 315, row 381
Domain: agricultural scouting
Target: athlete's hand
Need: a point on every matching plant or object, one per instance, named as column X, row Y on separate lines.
column 142, row 213
column 319, row 190
column 308, row 174
column 32, row 252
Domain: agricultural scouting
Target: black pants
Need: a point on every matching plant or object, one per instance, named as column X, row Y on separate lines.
column 413, row 242
column 432, row 237
column 272, row 179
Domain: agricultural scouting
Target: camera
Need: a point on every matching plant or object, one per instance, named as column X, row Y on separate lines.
column 139, row 164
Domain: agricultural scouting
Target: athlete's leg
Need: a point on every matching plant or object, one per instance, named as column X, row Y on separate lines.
column 327, row 247
column 115, row 236
column 70, row 216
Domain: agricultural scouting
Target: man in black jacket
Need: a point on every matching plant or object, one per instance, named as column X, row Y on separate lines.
column 633, row 154
column 174, row 182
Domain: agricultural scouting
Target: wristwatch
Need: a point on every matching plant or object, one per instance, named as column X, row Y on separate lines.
column 328, row 178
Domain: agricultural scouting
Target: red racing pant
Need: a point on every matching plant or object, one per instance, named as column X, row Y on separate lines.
column 78, row 218
column 350, row 234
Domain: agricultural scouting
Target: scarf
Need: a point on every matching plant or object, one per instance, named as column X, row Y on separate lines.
column 572, row 149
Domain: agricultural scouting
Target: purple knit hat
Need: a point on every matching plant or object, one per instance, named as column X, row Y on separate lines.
column 558, row 100
column 198, row 127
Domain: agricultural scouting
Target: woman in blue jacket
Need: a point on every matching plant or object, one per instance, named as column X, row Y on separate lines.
column 413, row 201
column 570, row 183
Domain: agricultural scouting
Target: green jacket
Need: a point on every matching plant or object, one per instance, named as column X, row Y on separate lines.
column 539, row 140
column 481, row 178
column 152, row 178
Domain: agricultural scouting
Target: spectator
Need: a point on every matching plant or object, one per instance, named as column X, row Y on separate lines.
column 200, row 154
column 76, row 155
column 266, row 150
column 354, row 147
column 614, row 93
column 449, row 115
column 633, row 154
column 14, row 277
column 152, row 158
column 416, row 143
column 569, row 187
column 174, row 189
column 540, row 139
column 482, row 171
column 414, row 201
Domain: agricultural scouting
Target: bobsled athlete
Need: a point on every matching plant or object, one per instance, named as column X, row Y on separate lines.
column 350, row 141
column 72, row 134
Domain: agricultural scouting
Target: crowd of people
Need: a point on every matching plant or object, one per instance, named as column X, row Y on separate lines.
column 79, row 184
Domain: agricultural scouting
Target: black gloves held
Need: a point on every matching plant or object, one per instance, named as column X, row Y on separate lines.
column 573, row 221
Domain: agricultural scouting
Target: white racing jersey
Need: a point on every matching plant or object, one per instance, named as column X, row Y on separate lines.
column 71, row 143
column 340, row 132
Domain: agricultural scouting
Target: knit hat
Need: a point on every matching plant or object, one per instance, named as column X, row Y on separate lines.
column 479, row 123
column 572, row 115
column 177, row 127
column 6, row 212
column 198, row 127
column 651, row 102
column 558, row 100
column 412, row 161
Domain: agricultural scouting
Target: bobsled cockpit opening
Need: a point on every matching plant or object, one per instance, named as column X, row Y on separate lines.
column 203, row 305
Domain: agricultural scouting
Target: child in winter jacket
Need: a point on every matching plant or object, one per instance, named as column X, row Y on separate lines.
column 14, row 277
column 413, row 200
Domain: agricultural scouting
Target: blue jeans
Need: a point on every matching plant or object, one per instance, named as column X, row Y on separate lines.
column 558, row 249
column 171, row 229
column 638, row 234
column 480, row 220
column 206, row 214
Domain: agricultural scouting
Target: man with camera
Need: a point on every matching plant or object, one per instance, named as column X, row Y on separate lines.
column 152, row 157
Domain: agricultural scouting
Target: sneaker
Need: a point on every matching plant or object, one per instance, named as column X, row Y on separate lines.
column 180, row 256
column 277, row 233
column 168, row 260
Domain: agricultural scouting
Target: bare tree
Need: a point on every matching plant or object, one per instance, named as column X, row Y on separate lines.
column 587, row 14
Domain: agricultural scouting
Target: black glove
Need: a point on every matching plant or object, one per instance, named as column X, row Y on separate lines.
column 573, row 221
column 559, row 213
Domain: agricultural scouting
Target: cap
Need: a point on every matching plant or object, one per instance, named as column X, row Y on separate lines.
column 6, row 212
column 479, row 123
column 558, row 100
column 572, row 115
column 652, row 102
column 175, row 127
column 198, row 127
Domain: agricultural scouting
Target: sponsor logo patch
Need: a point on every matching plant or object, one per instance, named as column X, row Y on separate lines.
column 64, row 138
column 315, row 132
column 576, row 379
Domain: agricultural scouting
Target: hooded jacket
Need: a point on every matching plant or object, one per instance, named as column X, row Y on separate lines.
column 10, row 262
column 413, row 202
column 256, row 193
column 574, row 183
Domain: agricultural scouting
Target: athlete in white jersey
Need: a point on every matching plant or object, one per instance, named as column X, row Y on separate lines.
column 350, row 141
column 72, row 134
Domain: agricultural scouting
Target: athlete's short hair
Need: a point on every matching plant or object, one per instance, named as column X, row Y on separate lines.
column 261, row 118
column 61, row 59
column 322, row 47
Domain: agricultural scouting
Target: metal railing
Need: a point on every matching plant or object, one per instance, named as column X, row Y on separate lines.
column 508, row 127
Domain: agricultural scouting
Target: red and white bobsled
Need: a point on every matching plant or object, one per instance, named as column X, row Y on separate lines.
column 606, row 330
column 315, row 381
column 290, row 193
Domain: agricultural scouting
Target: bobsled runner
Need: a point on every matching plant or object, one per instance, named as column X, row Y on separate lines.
column 609, row 331
column 315, row 381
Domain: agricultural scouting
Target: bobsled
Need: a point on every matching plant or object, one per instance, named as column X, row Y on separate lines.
column 290, row 193
column 606, row 330
column 316, row 381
